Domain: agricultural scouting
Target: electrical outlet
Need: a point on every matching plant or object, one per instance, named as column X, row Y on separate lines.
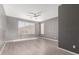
column 74, row 46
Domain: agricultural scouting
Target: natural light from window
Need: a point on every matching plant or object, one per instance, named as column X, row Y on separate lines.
column 42, row 28
column 26, row 27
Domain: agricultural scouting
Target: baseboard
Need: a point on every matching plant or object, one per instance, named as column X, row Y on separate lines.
column 2, row 48
column 49, row 39
column 22, row 39
column 68, row 51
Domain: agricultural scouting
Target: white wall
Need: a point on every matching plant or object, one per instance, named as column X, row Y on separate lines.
column 2, row 25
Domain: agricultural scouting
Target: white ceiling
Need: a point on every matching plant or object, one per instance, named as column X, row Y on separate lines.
column 22, row 10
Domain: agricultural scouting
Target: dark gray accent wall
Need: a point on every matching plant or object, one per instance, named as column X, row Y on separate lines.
column 69, row 27
column 12, row 28
column 2, row 25
column 51, row 28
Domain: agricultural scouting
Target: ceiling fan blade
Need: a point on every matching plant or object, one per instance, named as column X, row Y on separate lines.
column 34, row 14
column 31, row 13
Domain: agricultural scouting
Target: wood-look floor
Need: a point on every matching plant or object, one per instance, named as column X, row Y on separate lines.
column 33, row 47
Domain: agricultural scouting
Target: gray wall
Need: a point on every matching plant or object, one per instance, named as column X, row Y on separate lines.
column 69, row 27
column 2, row 25
column 12, row 28
column 51, row 28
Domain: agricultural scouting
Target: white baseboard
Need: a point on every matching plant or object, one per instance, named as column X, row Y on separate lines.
column 49, row 39
column 68, row 51
column 2, row 48
column 22, row 39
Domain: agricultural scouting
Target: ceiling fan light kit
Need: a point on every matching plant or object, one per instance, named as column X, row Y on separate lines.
column 34, row 15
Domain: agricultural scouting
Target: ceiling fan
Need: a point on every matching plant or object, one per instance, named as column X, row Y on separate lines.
column 35, row 14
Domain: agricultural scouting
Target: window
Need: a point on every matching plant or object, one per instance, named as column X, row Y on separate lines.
column 42, row 28
column 26, row 28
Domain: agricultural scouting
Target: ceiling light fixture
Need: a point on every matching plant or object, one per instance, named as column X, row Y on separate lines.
column 34, row 15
